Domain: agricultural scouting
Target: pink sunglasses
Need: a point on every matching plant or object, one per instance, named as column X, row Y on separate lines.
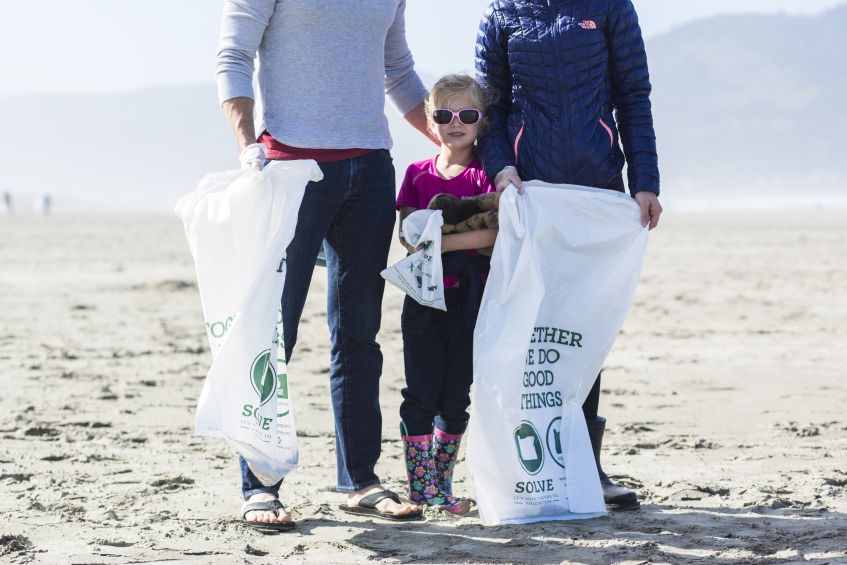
column 468, row 116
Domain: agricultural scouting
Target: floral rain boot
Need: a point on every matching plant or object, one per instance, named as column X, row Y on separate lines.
column 423, row 484
column 445, row 453
column 421, row 471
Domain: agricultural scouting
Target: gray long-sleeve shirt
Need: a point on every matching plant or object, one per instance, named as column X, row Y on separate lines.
column 325, row 67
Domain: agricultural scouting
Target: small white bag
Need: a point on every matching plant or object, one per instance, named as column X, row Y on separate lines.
column 563, row 273
column 421, row 274
column 239, row 225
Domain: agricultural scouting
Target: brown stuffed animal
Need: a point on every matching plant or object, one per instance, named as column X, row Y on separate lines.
column 475, row 213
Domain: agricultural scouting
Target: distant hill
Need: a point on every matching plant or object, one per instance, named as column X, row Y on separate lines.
column 745, row 106
column 135, row 151
column 752, row 104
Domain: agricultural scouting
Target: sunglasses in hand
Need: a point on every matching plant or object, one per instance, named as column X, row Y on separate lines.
column 468, row 116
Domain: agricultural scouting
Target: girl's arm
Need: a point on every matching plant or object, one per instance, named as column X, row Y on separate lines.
column 477, row 239
column 404, row 212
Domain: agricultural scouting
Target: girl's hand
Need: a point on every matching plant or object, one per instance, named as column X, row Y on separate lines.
column 409, row 247
column 509, row 175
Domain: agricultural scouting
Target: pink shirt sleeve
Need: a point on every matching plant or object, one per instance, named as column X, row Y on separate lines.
column 408, row 195
column 484, row 183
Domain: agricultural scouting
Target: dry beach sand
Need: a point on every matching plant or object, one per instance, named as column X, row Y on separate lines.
column 725, row 397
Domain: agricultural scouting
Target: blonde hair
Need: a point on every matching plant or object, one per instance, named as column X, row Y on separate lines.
column 453, row 85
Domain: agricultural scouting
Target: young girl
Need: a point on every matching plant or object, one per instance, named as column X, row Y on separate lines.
column 438, row 346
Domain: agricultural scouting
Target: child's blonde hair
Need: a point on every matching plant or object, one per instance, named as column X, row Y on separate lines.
column 453, row 85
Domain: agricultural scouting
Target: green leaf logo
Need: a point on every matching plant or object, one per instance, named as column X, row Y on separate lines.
column 263, row 377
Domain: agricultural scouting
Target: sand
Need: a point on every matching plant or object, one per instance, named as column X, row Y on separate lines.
column 725, row 399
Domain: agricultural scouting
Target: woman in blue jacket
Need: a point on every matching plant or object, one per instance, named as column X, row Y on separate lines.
column 572, row 85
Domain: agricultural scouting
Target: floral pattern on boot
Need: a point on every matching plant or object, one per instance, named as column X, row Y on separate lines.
column 445, row 449
column 421, row 471
column 423, row 479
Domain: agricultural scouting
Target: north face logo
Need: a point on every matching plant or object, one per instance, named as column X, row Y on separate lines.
column 587, row 24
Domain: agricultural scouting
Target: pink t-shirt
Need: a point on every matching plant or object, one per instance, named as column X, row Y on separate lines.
column 422, row 182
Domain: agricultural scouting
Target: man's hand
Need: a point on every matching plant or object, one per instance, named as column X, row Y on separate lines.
column 253, row 157
column 509, row 175
column 650, row 208
column 417, row 118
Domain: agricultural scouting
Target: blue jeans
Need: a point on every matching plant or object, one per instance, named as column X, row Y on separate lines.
column 351, row 212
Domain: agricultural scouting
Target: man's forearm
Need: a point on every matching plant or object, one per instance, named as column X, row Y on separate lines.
column 239, row 113
column 417, row 117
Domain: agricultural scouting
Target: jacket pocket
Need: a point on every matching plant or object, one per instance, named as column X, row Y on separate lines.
column 518, row 137
column 609, row 131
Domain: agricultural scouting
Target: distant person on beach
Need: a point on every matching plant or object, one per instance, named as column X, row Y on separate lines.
column 41, row 205
column 559, row 72
column 323, row 80
column 438, row 345
column 8, row 208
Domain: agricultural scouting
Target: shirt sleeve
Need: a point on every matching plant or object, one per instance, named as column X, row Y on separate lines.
column 242, row 27
column 408, row 195
column 403, row 86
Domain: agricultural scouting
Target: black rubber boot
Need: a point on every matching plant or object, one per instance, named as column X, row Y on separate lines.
column 619, row 498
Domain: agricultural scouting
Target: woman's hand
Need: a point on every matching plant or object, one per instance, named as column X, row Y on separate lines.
column 650, row 208
column 509, row 175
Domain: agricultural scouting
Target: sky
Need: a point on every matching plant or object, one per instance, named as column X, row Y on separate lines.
column 117, row 45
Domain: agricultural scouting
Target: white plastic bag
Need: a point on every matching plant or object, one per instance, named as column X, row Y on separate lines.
column 421, row 274
column 239, row 225
column 563, row 273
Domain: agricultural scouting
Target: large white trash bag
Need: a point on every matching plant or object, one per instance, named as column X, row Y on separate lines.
column 563, row 273
column 421, row 274
column 239, row 225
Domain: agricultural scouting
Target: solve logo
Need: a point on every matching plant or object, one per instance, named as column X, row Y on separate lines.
column 263, row 377
column 529, row 448
column 264, row 381
column 554, row 442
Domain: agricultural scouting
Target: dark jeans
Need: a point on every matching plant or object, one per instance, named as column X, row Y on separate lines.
column 350, row 212
column 438, row 355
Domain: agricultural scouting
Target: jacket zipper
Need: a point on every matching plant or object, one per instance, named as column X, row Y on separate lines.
column 554, row 20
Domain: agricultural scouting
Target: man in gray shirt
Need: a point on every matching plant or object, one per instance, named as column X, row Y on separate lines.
column 325, row 68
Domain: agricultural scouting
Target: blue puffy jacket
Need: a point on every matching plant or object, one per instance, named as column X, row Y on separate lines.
column 559, row 69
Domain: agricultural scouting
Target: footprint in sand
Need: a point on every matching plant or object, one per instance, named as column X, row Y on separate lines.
column 44, row 432
column 16, row 477
column 797, row 430
column 172, row 484
column 637, row 427
column 14, row 544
